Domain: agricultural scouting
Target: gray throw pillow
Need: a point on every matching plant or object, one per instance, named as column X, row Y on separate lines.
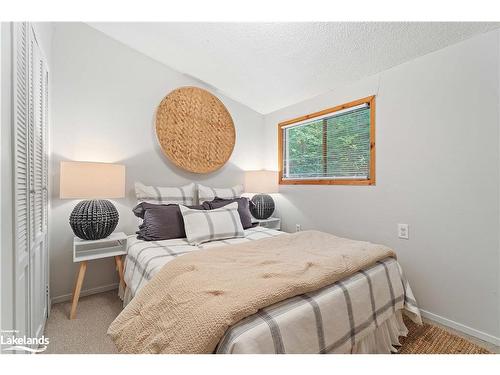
column 243, row 208
column 160, row 221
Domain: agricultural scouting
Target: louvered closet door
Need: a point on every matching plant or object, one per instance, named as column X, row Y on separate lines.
column 30, row 169
column 38, row 179
column 21, row 178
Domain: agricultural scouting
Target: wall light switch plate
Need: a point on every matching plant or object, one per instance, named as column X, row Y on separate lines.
column 403, row 231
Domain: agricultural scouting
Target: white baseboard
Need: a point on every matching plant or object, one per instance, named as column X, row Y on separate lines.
column 83, row 293
column 461, row 327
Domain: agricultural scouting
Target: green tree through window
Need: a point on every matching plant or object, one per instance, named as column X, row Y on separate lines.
column 336, row 146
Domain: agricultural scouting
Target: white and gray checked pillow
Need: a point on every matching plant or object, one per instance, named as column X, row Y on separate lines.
column 207, row 193
column 210, row 225
column 165, row 195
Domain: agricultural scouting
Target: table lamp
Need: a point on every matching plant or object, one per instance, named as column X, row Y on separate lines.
column 94, row 218
column 262, row 182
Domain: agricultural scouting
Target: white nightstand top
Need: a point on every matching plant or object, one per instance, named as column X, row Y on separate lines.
column 268, row 220
column 97, row 249
column 271, row 223
column 115, row 236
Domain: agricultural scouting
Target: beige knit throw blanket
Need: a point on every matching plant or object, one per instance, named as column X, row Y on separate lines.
column 191, row 302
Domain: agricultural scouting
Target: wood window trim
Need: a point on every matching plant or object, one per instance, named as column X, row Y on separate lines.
column 370, row 181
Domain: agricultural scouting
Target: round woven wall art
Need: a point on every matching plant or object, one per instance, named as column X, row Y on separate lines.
column 195, row 130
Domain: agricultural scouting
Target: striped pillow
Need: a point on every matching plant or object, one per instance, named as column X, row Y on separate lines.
column 206, row 193
column 165, row 195
column 210, row 225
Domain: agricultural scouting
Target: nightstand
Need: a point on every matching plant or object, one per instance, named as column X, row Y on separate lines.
column 113, row 246
column 271, row 223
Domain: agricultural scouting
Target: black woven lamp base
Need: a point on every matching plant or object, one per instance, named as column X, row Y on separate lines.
column 94, row 219
column 263, row 206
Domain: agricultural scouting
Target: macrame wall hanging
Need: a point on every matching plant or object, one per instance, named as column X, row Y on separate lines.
column 195, row 130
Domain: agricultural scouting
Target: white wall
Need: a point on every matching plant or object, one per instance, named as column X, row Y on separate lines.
column 104, row 100
column 437, row 162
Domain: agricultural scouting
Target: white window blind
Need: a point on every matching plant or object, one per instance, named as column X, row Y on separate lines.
column 333, row 146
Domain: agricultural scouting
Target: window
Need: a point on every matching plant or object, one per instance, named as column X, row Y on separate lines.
column 335, row 146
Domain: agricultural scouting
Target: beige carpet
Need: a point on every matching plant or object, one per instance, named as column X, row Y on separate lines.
column 87, row 333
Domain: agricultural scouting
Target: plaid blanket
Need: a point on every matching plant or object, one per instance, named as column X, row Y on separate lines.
column 145, row 258
column 330, row 320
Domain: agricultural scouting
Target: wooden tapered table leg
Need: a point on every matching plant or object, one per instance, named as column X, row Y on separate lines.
column 119, row 268
column 78, row 288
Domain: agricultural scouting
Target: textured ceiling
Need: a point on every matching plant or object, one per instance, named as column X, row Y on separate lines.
column 268, row 66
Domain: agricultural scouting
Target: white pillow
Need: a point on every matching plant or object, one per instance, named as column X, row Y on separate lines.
column 210, row 225
column 206, row 193
column 165, row 195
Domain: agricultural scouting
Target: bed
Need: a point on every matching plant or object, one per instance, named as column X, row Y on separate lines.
column 361, row 313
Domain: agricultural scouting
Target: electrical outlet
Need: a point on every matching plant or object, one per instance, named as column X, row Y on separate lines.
column 298, row 227
column 403, row 231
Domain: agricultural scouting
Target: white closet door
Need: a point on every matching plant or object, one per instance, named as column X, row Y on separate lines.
column 45, row 189
column 30, row 183
column 21, row 179
column 38, row 240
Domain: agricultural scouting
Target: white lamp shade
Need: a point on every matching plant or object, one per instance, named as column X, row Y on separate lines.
column 261, row 182
column 88, row 180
